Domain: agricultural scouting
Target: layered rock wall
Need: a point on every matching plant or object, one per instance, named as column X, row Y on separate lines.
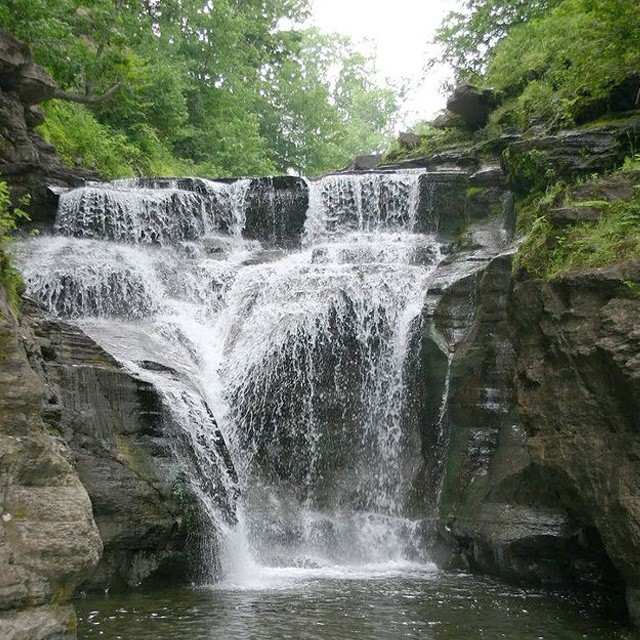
column 27, row 162
column 122, row 445
column 49, row 541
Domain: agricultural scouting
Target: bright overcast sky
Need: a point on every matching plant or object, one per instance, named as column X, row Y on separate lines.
column 399, row 32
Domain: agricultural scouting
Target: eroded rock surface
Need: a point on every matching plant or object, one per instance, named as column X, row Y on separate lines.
column 578, row 389
column 49, row 541
column 28, row 163
column 121, row 443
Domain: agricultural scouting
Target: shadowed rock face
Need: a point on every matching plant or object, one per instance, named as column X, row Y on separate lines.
column 504, row 509
column 48, row 539
column 122, row 448
column 276, row 210
column 90, row 496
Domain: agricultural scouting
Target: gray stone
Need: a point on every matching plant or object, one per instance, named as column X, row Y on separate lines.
column 116, row 428
column 449, row 120
column 276, row 210
column 408, row 140
column 472, row 104
column 365, row 163
column 572, row 215
column 49, row 541
column 535, row 163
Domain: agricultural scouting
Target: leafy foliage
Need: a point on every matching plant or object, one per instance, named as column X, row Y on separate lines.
column 469, row 36
column 549, row 251
column 219, row 85
column 551, row 67
column 9, row 217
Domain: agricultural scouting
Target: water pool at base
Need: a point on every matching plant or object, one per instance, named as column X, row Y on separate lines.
column 384, row 604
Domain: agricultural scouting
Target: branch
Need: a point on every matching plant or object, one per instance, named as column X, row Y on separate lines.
column 87, row 99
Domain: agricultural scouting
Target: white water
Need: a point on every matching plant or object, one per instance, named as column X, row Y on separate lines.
column 301, row 361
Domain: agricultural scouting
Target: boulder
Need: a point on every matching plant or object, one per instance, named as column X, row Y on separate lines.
column 35, row 85
column 408, row 140
column 14, row 56
column 365, row 162
column 473, row 105
column 449, row 120
column 564, row 216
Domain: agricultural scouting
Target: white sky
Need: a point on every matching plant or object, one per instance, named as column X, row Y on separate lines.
column 399, row 32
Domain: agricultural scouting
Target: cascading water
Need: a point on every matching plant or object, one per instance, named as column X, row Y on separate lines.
column 288, row 375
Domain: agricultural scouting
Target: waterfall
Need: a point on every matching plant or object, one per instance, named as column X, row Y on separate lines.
column 286, row 368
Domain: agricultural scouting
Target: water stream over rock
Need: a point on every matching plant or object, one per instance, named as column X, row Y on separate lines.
column 286, row 367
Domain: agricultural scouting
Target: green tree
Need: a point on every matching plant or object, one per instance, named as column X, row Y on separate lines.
column 468, row 37
column 322, row 107
column 197, row 85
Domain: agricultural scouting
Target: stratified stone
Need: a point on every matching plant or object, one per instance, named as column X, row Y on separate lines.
column 276, row 210
column 577, row 341
column 49, row 541
column 116, row 428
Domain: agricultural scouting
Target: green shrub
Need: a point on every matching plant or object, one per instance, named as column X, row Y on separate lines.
column 82, row 141
column 615, row 237
column 553, row 66
column 10, row 278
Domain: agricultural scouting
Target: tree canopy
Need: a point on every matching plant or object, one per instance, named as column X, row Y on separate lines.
column 469, row 36
column 552, row 60
column 177, row 86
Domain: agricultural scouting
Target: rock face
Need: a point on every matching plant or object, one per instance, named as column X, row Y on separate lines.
column 535, row 163
column 92, row 495
column 121, row 443
column 27, row 162
column 503, row 512
column 276, row 209
column 49, row 541
column 578, row 389
column 539, row 440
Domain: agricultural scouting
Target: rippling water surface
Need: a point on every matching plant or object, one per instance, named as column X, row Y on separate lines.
column 339, row 604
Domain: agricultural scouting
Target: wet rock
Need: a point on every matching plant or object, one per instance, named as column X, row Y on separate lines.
column 276, row 210
column 501, row 512
column 578, row 388
column 535, row 163
column 472, row 104
column 123, row 450
column 441, row 207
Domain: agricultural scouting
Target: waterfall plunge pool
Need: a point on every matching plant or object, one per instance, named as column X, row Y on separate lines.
column 286, row 348
column 376, row 603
